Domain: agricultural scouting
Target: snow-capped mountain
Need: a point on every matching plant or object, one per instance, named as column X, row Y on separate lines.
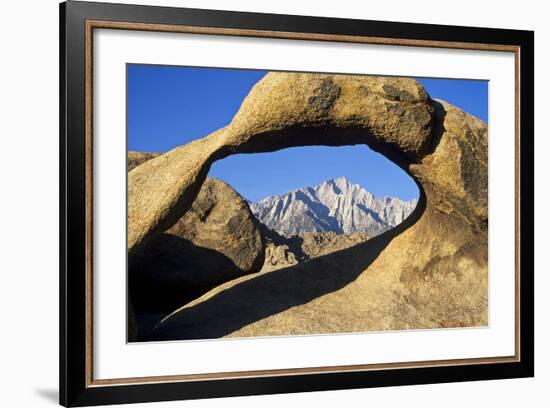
column 335, row 205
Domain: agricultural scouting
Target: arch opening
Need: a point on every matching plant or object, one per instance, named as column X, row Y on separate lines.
column 315, row 200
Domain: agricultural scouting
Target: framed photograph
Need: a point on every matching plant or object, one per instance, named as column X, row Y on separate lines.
column 255, row 203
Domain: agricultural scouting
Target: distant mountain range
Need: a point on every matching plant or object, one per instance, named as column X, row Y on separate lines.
column 335, row 205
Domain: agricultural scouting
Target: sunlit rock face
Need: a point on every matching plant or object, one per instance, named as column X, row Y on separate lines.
column 428, row 272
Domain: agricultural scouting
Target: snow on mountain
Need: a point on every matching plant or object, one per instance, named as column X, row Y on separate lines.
column 335, row 205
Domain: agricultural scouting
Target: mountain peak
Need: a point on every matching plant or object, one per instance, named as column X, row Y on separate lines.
column 342, row 183
column 336, row 205
column 339, row 180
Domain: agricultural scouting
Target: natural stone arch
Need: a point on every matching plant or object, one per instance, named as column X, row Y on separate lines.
column 393, row 116
column 441, row 147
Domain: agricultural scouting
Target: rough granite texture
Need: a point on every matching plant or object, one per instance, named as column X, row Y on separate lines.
column 281, row 251
column 135, row 159
column 428, row 272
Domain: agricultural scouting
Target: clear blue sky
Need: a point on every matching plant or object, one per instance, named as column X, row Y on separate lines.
column 170, row 106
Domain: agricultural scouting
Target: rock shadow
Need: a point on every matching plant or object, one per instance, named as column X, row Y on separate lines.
column 171, row 271
column 274, row 292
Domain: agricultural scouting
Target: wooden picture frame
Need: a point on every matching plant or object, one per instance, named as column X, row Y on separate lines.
column 78, row 20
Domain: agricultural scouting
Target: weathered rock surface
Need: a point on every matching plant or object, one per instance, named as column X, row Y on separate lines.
column 217, row 240
column 281, row 251
column 314, row 245
column 428, row 272
column 278, row 256
column 137, row 158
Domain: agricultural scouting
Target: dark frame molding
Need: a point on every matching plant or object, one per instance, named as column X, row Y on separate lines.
column 77, row 387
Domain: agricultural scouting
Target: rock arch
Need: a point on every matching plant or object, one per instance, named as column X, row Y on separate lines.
column 434, row 274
